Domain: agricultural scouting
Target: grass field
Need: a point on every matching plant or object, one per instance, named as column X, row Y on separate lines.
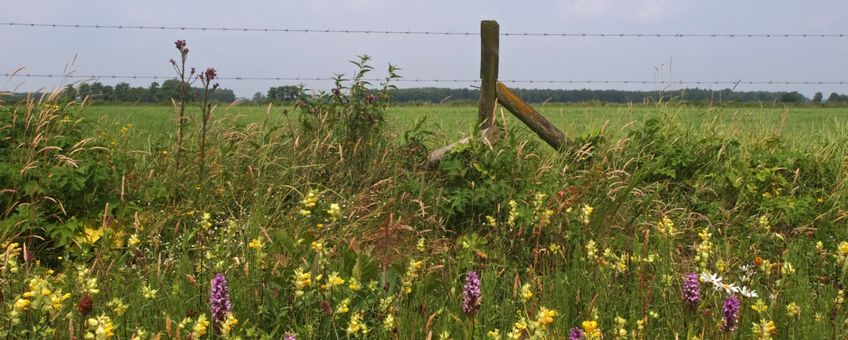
column 656, row 222
column 450, row 122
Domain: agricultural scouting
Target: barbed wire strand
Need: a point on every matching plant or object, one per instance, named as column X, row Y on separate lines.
column 426, row 33
column 426, row 80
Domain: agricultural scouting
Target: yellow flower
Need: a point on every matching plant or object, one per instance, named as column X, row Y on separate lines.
column 526, row 293
column 134, row 241
column 760, row 306
column 100, row 328
column 389, row 323
column 793, row 310
column 200, row 327
column 317, row 246
column 842, row 249
column 355, row 324
column 302, row 280
column 546, row 316
column 590, row 328
column 118, row 306
column 354, row 284
column 764, row 330
column 333, row 280
column 343, row 306
column 334, row 212
column 229, row 323
column 255, row 244
column 494, row 334
column 22, row 304
column 148, row 292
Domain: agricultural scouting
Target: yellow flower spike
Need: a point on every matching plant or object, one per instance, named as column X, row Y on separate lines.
column 200, row 327
column 546, row 316
column 526, row 293
column 760, row 306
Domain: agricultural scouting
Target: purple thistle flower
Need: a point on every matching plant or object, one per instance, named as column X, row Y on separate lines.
column 471, row 293
column 219, row 299
column 731, row 314
column 576, row 334
column 692, row 290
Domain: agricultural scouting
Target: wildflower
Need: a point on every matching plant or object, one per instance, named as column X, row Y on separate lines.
column 343, row 306
column 100, row 328
column 421, row 246
column 518, row 329
column 148, row 293
column 792, row 310
column 290, row 337
column 575, row 334
column 692, row 290
column 354, row 284
column 229, row 323
column 748, row 293
column 411, row 274
column 728, row 288
column 255, row 244
column 317, row 246
column 704, row 249
column 586, row 213
column 554, row 248
column 471, row 294
column 490, row 221
column 842, row 250
column 219, row 300
column 118, row 306
column 210, row 74
column 759, row 306
column 545, row 317
column 355, row 325
column 591, row 250
column 730, row 313
column 389, row 323
column 494, row 334
column 334, row 212
column 590, row 329
column 526, row 293
column 333, row 280
column 205, row 220
column 787, row 268
column 133, row 241
column 666, row 226
column 764, row 330
column 620, row 331
column 84, row 305
column 513, row 213
column 200, row 327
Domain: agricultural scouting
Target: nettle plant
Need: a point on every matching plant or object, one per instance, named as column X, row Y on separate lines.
column 354, row 110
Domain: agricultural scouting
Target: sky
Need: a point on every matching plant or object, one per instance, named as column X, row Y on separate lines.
column 277, row 54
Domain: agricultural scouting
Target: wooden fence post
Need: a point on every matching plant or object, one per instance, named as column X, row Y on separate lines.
column 489, row 45
column 536, row 122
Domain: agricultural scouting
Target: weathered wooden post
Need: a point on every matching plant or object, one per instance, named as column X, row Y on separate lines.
column 535, row 121
column 493, row 92
column 489, row 45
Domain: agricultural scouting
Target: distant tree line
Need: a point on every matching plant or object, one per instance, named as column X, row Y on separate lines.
column 436, row 95
column 164, row 92
column 155, row 93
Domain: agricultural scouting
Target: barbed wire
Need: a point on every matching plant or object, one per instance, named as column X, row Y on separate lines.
column 426, row 33
column 434, row 80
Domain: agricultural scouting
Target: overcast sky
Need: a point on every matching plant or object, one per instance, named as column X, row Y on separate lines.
column 134, row 52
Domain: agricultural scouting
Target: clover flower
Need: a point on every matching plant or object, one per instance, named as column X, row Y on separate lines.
column 471, row 293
